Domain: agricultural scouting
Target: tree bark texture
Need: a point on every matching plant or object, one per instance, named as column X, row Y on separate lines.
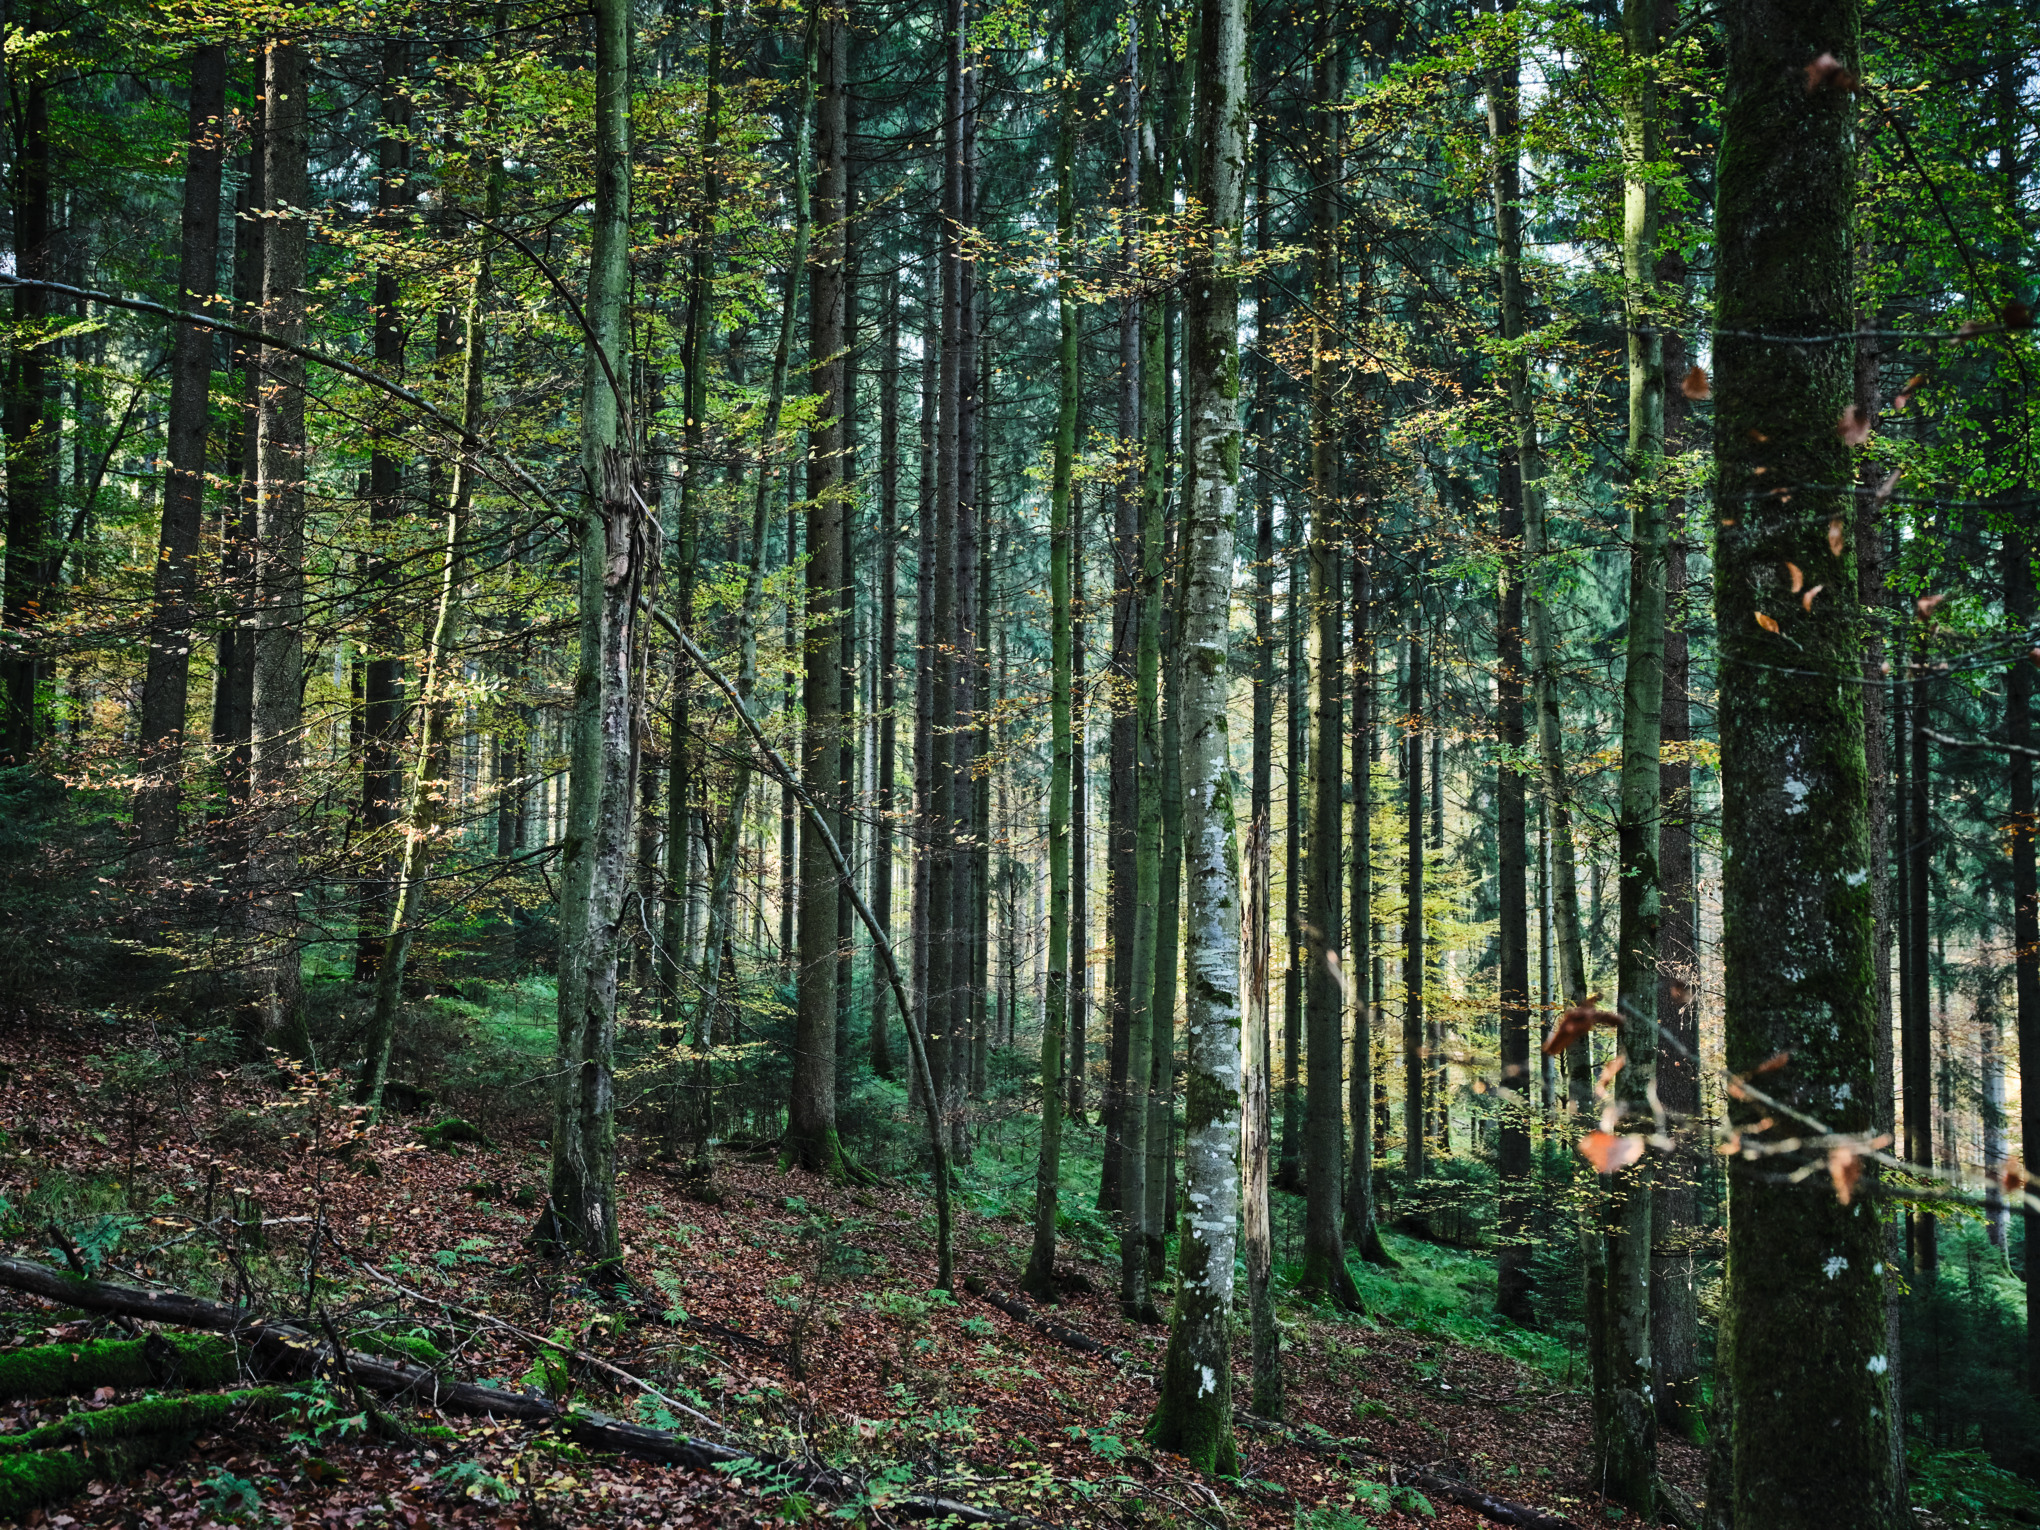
column 1809, row 1357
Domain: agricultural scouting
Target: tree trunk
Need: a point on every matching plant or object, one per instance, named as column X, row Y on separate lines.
column 233, row 661
column 1193, row 1416
column 1289, row 1168
column 888, row 661
column 1413, row 1036
column 1916, row 1038
column 1514, row 1292
column 1625, row 1414
column 29, row 442
column 383, row 677
column 580, row 1213
column 1808, row 1357
column 277, row 708
column 1674, row 1313
column 1080, row 852
column 166, row 684
column 811, row 1124
column 2025, row 904
column 1040, row 1275
column 1361, row 1229
column 430, row 790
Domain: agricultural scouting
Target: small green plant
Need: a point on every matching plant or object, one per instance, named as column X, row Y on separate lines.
column 467, row 1251
column 476, row 1481
column 322, row 1413
column 979, row 1327
column 1107, row 1447
column 230, row 1499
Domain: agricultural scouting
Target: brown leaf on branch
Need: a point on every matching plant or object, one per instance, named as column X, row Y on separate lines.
column 1696, row 386
column 1768, row 623
column 1844, row 1168
column 1806, row 600
column 1835, row 536
column 1798, row 578
column 1905, row 394
column 1771, row 1064
column 1854, row 426
column 1828, row 73
column 1608, row 1152
column 1926, row 603
column 1574, row 1024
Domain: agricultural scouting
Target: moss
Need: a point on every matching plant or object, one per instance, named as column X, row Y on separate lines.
column 67, row 1370
column 401, row 1346
column 451, row 1130
column 152, row 1415
column 41, row 1477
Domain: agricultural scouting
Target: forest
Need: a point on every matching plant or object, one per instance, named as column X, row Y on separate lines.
column 1127, row 762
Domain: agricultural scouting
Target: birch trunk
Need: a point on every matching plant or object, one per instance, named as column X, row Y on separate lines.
column 580, row 1213
column 1194, row 1414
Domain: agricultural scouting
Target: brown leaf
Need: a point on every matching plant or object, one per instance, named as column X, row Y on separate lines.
column 1609, row 1069
column 1905, row 394
column 1835, row 536
column 1854, row 426
column 1574, row 1024
column 1768, row 623
column 1828, row 73
column 1926, row 603
column 1806, row 600
column 1608, row 1152
column 1844, row 1168
column 1771, row 1064
column 1696, row 386
column 1798, row 578
column 1884, row 489
column 2013, row 1178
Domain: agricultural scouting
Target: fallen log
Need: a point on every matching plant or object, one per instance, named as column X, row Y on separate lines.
column 285, row 1348
column 1501, row 1511
column 72, row 1370
column 1083, row 1344
column 42, row 1466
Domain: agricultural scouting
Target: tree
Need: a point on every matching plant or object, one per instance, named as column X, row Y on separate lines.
column 1808, row 1357
column 1193, row 1416
column 166, row 684
column 580, row 1213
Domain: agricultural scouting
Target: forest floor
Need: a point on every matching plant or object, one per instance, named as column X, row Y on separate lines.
column 794, row 1312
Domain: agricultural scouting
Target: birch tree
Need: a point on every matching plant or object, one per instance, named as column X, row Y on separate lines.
column 1194, row 1414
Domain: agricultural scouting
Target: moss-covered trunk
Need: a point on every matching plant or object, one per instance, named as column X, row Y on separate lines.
column 1809, row 1360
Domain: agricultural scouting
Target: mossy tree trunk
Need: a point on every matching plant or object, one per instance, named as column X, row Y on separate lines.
column 1808, row 1360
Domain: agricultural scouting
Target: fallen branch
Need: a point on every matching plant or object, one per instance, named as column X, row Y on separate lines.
column 1500, row 1510
column 72, row 1370
column 290, row 1349
column 1021, row 1312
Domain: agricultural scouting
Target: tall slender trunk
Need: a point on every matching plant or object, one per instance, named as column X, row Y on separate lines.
column 1806, row 1357
column 234, row 657
column 30, row 443
column 1040, row 1274
column 1917, row 1032
column 1193, row 1415
column 1361, row 1229
column 926, row 661
column 1324, row 1253
column 1674, row 1315
column 1123, row 1138
column 277, row 707
column 888, row 661
column 430, row 789
column 581, row 1209
column 967, row 910
column 1258, row 1222
column 1413, row 1034
column 1080, row 852
column 847, row 823
column 383, row 677
column 2019, row 604
column 1625, row 1414
column 166, row 683
column 811, row 1125
column 1289, row 1168
column 1515, row 1295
